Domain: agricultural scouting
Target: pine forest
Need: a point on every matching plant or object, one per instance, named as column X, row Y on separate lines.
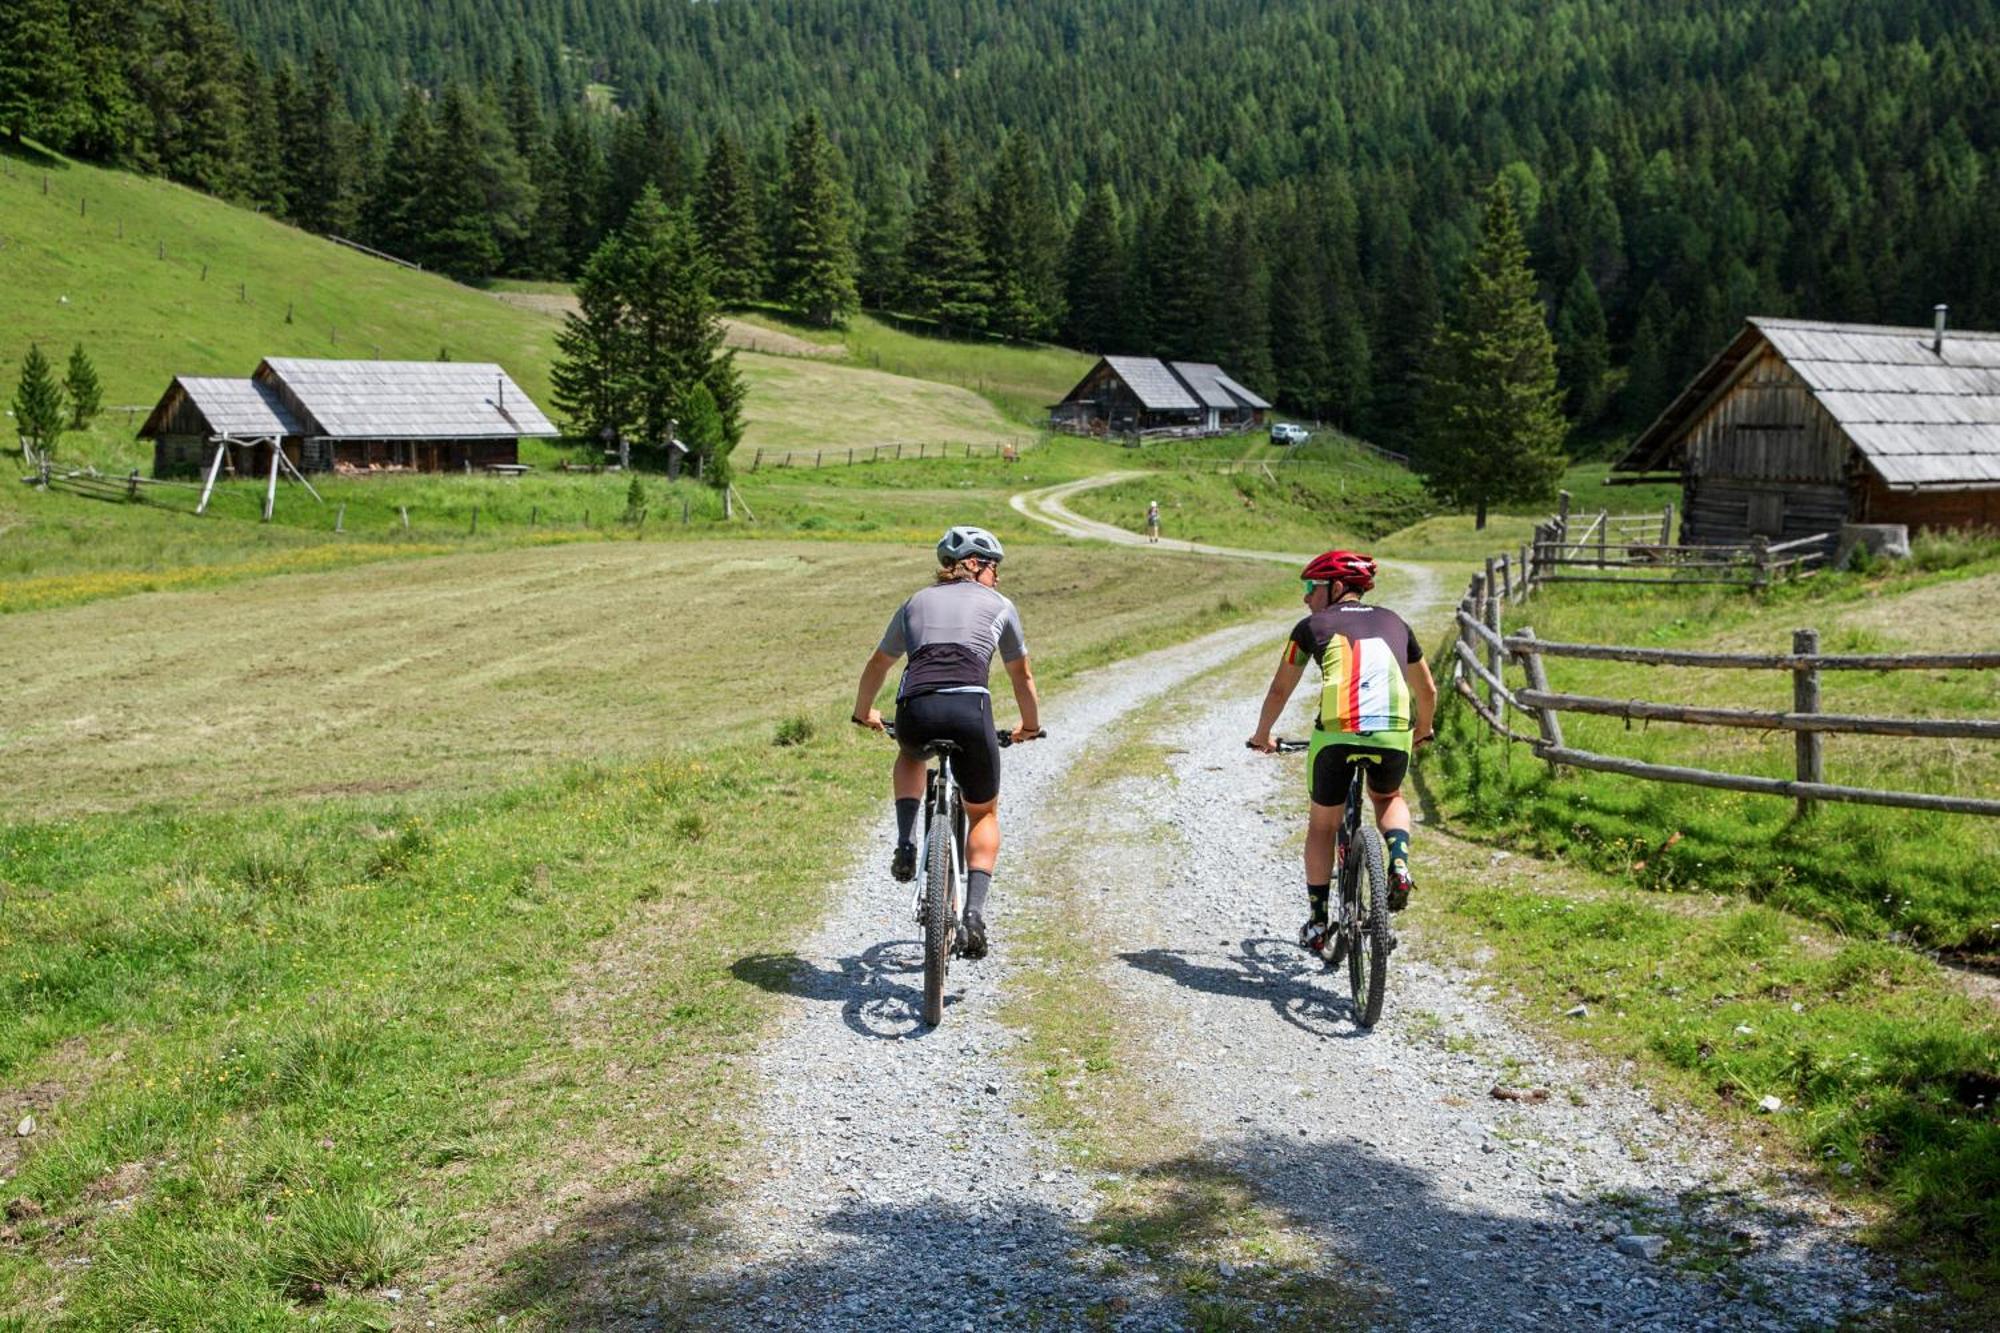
column 1294, row 188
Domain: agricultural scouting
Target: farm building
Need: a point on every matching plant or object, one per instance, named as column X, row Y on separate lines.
column 1798, row 427
column 423, row 416
column 1136, row 395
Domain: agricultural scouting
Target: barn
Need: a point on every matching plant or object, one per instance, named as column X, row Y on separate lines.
column 1139, row 395
column 421, row 416
column 1800, row 426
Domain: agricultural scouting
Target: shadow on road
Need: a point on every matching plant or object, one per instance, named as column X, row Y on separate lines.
column 1302, row 990
column 880, row 991
column 1393, row 1245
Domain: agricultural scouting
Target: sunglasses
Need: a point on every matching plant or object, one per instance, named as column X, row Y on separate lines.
column 1306, row 586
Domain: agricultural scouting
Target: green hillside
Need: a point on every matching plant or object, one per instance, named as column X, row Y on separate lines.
column 156, row 280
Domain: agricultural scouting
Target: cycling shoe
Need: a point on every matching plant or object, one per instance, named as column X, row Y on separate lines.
column 903, row 865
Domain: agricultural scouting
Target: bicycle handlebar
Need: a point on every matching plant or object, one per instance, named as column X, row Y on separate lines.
column 1006, row 737
column 1292, row 747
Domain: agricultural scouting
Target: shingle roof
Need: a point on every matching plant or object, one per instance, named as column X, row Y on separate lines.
column 1153, row 383
column 1922, row 419
column 1212, row 385
column 407, row 400
column 241, row 409
column 1249, row 399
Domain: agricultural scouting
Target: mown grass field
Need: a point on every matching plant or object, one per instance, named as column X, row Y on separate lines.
column 365, row 987
column 1753, row 953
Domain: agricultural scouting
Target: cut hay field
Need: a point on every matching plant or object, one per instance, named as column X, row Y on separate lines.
column 463, row 672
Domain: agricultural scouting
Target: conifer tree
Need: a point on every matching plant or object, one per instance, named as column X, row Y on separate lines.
column 524, row 109
column 1094, row 277
column 1492, row 414
column 592, row 374
column 1179, row 277
column 1648, row 384
column 944, row 262
column 38, row 405
column 645, row 150
column 399, row 215
column 40, row 84
column 81, row 386
column 881, row 280
column 1023, row 241
column 1583, row 351
column 107, row 42
column 569, row 196
column 730, row 233
column 701, row 430
column 320, row 160
column 263, row 153
column 1243, row 325
column 461, row 239
column 815, row 259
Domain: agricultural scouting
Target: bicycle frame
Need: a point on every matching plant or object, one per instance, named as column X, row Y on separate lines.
column 941, row 801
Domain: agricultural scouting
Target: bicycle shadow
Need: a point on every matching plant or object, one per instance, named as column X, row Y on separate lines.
column 1299, row 988
column 880, row 990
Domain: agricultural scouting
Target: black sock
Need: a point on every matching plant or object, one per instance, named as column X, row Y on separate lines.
column 1316, row 895
column 906, row 817
column 1399, row 846
column 977, row 882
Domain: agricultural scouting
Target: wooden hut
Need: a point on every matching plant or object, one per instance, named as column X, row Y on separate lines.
column 1134, row 395
column 424, row 416
column 1797, row 427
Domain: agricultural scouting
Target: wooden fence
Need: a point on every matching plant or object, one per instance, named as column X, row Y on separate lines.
column 1482, row 649
column 843, row 456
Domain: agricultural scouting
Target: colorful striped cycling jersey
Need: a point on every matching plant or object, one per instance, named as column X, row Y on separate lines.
column 1361, row 652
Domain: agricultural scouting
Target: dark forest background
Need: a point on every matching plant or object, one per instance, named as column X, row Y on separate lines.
column 1291, row 187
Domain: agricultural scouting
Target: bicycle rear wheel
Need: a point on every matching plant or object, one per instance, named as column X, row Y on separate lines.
column 940, row 915
column 1368, row 957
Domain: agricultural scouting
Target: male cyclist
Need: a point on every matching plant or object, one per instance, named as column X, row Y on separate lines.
column 1377, row 700
column 950, row 631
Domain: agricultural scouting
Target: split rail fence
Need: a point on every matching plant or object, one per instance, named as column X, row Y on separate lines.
column 1483, row 650
column 843, row 456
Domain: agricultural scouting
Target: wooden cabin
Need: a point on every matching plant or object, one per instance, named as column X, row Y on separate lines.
column 1134, row 395
column 1799, row 426
column 359, row 416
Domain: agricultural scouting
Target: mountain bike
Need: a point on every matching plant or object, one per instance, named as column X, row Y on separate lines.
column 1358, row 930
column 943, row 869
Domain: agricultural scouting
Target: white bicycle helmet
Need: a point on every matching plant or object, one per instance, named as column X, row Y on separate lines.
column 969, row 543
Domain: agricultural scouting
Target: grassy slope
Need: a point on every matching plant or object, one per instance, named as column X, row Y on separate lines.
column 73, row 277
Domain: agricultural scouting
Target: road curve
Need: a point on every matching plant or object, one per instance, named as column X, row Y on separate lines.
column 1047, row 506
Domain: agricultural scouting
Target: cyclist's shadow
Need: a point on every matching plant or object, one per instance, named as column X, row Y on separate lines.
column 1299, row 988
column 880, row 992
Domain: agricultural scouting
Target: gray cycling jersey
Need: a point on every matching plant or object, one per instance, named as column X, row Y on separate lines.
column 950, row 631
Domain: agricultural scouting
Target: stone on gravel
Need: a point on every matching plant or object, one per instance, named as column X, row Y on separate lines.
column 26, row 1127
column 1577, row 1011
column 1649, row 1248
column 1771, row 1104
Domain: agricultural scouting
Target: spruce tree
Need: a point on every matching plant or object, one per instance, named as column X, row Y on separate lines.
column 38, row 405
column 1023, row 240
column 671, row 319
column 645, row 151
column 1648, row 383
column 1583, row 351
column 944, row 262
column 591, row 380
column 398, row 216
column 569, row 197
column 1180, row 278
column 1094, row 277
column 1243, row 327
column 107, row 43
column 1492, row 414
column 263, row 151
column 41, row 91
column 85, row 393
column 881, row 281
column 815, row 259
column 320, row 161
column 701, row 430
column 730, row 233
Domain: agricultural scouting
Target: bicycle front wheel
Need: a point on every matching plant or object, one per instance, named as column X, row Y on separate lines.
column 940, row 916
column 1368, row 957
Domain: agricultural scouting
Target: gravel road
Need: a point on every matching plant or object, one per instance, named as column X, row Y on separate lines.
column 899, row 1185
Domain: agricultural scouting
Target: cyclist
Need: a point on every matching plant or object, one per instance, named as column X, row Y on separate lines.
column 950, row 631
column 1377, row 700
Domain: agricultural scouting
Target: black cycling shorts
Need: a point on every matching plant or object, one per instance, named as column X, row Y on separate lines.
column 1330, row 765
column 965, row 718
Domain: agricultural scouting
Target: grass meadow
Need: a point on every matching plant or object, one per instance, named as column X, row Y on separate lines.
column 360, row 925
column 1749, row 952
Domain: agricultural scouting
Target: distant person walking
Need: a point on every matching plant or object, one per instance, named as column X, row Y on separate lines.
column 1153, row 521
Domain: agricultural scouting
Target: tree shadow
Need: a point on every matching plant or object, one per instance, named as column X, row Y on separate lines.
column 1190, row 1242
column 31, row 154
column 880, row 990
column 1301, row 989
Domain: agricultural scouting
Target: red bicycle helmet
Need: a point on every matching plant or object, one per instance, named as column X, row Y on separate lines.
column 1352, row 568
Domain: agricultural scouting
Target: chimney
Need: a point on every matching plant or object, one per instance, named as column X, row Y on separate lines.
column 1938, row 312
column 500, row 381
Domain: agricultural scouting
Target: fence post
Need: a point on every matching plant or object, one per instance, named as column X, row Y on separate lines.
column 684, row 511
column 475, row 521
column 818, row 454
column 534, row 515
column 1805, row 699
column 132, row 485
column 1667, row 525
column 1492, row 619
column 340, row 519
column 1538, row 680
column 1603, row 532
column 850, row 456
column 1760, row 552
column 1527, row 574
column 1562, row 514
column 404, row 510
column 756, row 459
column 1506, row 578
